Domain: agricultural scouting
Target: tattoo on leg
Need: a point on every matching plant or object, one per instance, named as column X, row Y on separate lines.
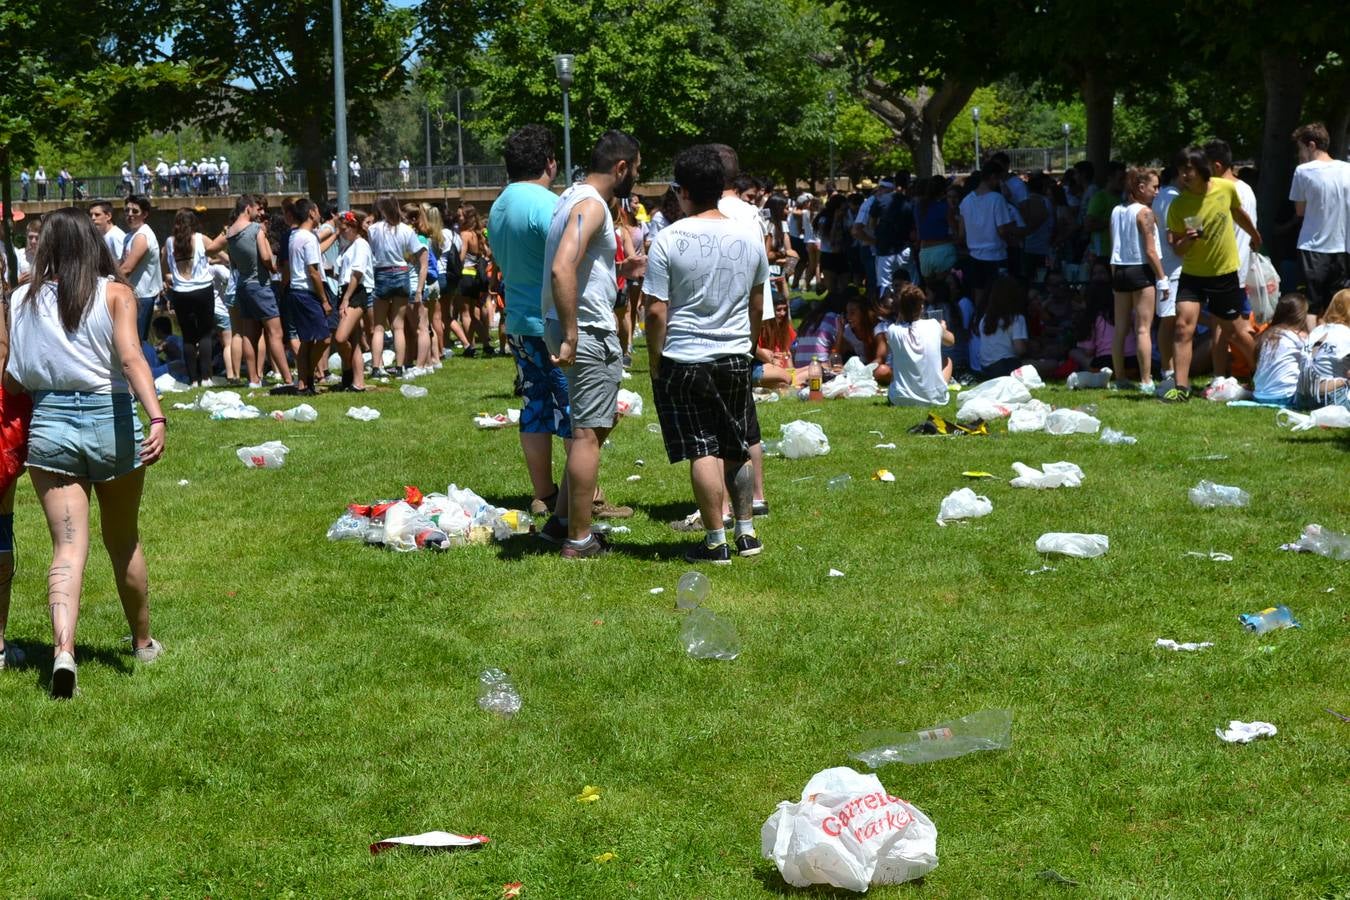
column 741, row 486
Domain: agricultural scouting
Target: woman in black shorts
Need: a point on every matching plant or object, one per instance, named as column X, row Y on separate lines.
column 1137, row 276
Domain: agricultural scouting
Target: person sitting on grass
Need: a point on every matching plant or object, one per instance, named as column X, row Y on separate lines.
column 1279, row 350
column 772, row 367
column 1325, row 379
column 857, row 334
column 169, row 346
column 703, row 318
column 917, row 372
column 819, row 330
column 1003, row 328
column 1096, row 332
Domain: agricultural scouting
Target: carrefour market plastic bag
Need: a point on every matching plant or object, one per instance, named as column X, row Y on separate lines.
column 1263, row 286
column 847, row 831
column 802, row 439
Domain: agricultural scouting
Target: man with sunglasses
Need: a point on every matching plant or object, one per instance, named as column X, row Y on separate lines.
column 140, row 261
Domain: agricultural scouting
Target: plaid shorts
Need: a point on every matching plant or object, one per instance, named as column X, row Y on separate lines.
column 706, row 409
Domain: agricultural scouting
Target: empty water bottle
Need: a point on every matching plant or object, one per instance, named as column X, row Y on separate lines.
column 839, row 483
column 654, row 428
column 706, row 635
column 1208, row 495
column 412, row 391
column 1272, row 619
column 989, row 729
column 693, row 589
column 496, row 693
column 302, row 413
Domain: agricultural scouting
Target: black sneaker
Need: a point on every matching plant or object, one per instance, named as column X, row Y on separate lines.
column 748, row 545
column 1177, row 395
column 701, row 552
column 760, row 509
column 376, row 372
column 284, row 390
column 553, row 531
column 394, row 371
column 470, row 352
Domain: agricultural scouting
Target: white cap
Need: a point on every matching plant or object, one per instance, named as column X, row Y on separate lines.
column 222, row 159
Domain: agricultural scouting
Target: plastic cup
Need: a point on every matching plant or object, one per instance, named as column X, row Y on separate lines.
column 839, row 483
column 692, row 590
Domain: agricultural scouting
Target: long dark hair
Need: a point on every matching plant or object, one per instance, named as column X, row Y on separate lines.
column 184, row 227
column 934, row 191
column 1007, row 301
column 1291, row 314
column 777, row 216
column 832, row 220
column 387, row 208
column 72, row 253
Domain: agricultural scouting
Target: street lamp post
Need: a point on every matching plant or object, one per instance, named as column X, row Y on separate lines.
column 562, row 64
column 1066, row 129
column 975, row 117
column 459, row 143
column 830, row 97
column 340, row 109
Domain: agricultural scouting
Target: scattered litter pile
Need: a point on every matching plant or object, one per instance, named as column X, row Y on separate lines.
column 222, row 405
column 429, row 521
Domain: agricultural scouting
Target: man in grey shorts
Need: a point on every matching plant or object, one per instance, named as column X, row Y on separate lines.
column 581, row 332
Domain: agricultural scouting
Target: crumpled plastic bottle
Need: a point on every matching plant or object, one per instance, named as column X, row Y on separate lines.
column 1322, row 541
column 692, row 589
column 706, row 635
column 1272, row 619
column 348, row 527
column 989, row 729
column 412, row 391
column 1068, row 543
column 496, row 693
column 1208, row 495
column 302, row 413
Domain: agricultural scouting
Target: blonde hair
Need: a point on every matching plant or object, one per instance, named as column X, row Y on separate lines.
column 1339, row 308
column 434, row 222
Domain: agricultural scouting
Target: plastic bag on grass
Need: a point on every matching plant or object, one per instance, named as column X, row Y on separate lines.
column 362, row 413
column 856, row 380
column 1029, row 417
column 1029, row 377
column 1004, row 390
column 1322, row 541
column 804, row 439
column 1068, row 543
column 983, row 409
column 849, row 832
column 1117, row 438
column 1327, row 417
column 268, row 455
column 1222, row 389
column 1051, row 475
column 407, row 529
column 1208, row 495
column 302, row 413
column 1071, row 421
column 630, row 403
column 963, row 504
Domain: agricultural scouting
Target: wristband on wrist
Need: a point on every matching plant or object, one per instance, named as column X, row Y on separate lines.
column 158, row 420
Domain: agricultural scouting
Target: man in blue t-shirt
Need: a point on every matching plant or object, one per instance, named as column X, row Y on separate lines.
column 519, row 223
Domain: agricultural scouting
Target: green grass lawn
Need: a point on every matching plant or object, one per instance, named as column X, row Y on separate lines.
column 316, row 697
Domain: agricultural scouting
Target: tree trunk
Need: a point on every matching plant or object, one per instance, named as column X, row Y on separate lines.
column 1285, row 79
column 1099, row 102
column 1339, row 126
column 312, row 153
column 7, row 226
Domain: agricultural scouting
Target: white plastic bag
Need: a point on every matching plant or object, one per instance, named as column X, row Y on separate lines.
column 412, row 391
column 167, row 384
column 1326, row 417
column 1263, row 286
column 1224, row 389
column 963, row 504
column 856, row 380
column 1068, row 543
column 1079, row 380
column 1119, row 438
column 1028, row 376
column 630, row 403
column 1050, row 475
column 803, row 439
column 1029, row 417
column 302, row 413
column 1071, row 421
column 982, row 409
column 1208, row 495
column 362, row 413
column 269, row 455
column 1004, row 390
column 848, row 832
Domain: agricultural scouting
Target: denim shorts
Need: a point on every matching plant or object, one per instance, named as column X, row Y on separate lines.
column 391, row 283
column 94, row 437
column 256, row 301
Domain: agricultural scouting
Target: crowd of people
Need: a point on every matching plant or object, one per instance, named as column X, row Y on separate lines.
column 926, row 281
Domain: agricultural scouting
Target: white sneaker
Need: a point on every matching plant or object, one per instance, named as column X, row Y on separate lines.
column 1148, row 387
column 63, row 676
column 150, row 652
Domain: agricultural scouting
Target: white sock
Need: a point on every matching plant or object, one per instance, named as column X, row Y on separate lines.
column 715, row 536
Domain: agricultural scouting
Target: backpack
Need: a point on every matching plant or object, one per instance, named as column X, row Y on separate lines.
column 454, row 258
column 894, row 222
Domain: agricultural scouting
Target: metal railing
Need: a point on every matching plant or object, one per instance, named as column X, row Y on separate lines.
column 289, row 181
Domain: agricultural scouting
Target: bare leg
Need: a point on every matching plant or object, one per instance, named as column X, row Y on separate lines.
column 437, row 329
column 709, row 479
column 756, row 469
column 1238, row 332
column 65, row 502
column 399, row 311
column 119, row 506
column 1124, row 305
column 423, row 336
column 227, row 350
column 1187, row 313
column 583, row 471
column 740, row 482
column 1144, row 305
column 6, row 566
column 538, row 450
column 276, row 349
column 1167, row 327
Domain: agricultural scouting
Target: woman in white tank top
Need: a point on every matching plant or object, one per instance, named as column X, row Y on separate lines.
column 191, row 289
column 75, row 349
column 1137, row 274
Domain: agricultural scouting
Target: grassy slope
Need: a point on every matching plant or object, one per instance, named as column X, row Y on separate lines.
column 317, row 696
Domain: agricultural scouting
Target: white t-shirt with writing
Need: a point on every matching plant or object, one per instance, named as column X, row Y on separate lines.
column 1324, row 186
column 999, row 345
column 304, row 252
column 916, row 364
column 734, row 207
column 392, row 247
column 704, row 268
column 983, row 215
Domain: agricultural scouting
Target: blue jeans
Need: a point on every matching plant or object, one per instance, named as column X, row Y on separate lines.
column 145, row 311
